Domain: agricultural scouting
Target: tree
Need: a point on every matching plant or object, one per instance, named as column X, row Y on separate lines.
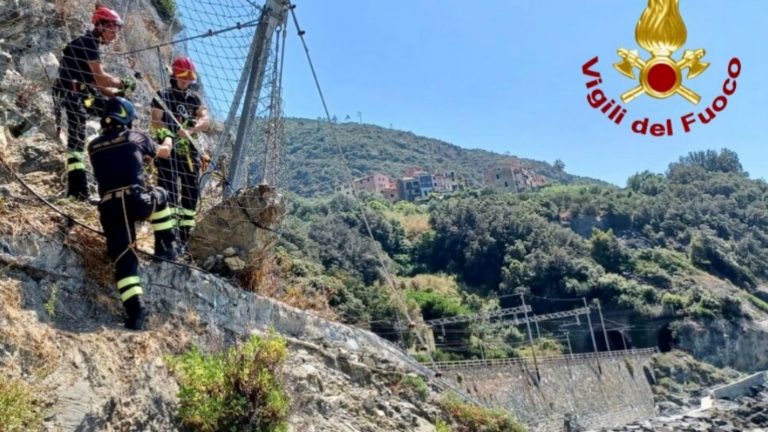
column 647, row 183
column 560, row 168
column 607, row 251
column 725, row 161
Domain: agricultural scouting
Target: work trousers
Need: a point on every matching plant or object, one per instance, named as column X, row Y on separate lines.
column 119, row 210
column 179, row 175
column 78, row 101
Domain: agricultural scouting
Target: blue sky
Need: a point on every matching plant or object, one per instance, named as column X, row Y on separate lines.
column 505, row 76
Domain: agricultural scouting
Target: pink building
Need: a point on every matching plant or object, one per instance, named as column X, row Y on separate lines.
column 374, row 183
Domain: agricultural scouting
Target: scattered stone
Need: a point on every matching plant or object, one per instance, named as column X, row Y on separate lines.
column 234, row 264
column 743, row 414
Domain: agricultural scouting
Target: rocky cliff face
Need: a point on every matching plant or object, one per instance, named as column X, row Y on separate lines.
column 61, row 333
column 742, row 345
column 32, row 34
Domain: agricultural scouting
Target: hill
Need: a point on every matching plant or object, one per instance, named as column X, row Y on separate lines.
column 313, row 166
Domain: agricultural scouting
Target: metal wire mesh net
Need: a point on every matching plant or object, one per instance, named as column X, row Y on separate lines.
column 130, row 39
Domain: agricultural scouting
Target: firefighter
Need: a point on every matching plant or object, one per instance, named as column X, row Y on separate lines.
column 117, row 156
column 81, row 88
column 178, row 112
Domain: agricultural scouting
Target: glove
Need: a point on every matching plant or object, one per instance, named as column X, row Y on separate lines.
column 163, row 133
column 127, row 84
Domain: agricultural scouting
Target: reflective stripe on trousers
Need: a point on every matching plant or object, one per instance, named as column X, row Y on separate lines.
column 129, row 287
column 75, row 160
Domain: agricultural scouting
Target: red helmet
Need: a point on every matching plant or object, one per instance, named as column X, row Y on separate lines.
column 106, row 15
column 184, row 68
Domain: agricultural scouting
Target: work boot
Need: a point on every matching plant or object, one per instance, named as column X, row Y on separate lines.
column 77, row 185
column 137, row 313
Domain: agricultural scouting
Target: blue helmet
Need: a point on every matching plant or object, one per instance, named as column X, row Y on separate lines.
column 118, row 111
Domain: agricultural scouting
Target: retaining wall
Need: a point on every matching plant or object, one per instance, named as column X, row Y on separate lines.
column 602, row 390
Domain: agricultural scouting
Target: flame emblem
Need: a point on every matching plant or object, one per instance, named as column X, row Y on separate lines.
column 661, row 31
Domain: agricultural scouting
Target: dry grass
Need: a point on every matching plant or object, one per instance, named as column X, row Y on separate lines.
column 37, row 345
column 438, row 283
column 264, row 275
column 414, row 224
column 92, row 247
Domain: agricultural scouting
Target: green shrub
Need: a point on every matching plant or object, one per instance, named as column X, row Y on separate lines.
column 675, row 301
column 436, row 305
column 239, row 390
column 18, row 411
column 670, row 261
column 415, row 385
column 544, row 348
column 442, row 426
column 608, row 251
column 440, row 355
column 652, row 273
column 165, row 8
column 474, row 418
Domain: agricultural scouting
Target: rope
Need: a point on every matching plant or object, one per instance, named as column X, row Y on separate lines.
column 391, row 283
column 348, row 172
column 74, row 221
column 209, row 33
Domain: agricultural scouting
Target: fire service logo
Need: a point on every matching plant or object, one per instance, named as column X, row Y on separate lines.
column 661, row 32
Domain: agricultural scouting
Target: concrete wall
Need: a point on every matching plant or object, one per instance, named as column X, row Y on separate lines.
column 740, row 388
column 603, row 390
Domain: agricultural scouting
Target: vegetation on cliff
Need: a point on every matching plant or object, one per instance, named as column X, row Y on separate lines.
column 687, row 243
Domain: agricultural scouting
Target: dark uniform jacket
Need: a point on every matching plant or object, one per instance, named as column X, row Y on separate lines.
column 182, row 103
column 117, row 158
column 77, row 54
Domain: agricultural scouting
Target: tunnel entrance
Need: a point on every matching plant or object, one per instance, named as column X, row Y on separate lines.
column 665, row 339
column 617, row 340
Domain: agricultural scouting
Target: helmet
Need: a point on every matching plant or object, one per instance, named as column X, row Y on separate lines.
column 184, row 68
column 119, row 111
column 105, row 14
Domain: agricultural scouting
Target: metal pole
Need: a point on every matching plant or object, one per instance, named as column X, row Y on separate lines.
column 624, row 338
column 568, row 336
column 530, row 335
column 273, row 14
column 536, row 323
column 602, row 323
column 589, row 320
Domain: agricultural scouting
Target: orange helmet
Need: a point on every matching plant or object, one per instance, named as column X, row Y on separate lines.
column 106, row 15
column 184, row 68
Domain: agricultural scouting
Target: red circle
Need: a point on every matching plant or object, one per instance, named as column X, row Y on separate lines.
column 662, row 77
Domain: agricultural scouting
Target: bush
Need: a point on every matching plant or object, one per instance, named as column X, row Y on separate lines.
column 470, row 418
column 434, row 305
column 675, row 301
column 543, row 347
column 18, row 411
column 414, row 385
column 165, row 8
column 608, row 252
column 239, row 390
